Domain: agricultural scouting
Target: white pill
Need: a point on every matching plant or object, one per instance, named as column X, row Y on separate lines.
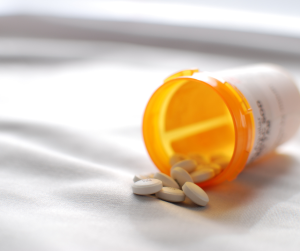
column 201, row 166
column 171, row 194
column 180, row 175
column 139, row 177
column 150, row 175
column 223, row 162
column 176, row 158
column 147, row 186
column 188, row 165
column 217, row 156
column 200, row 159
column 202, row 174
column 195, row 193
column 217, row 168
column 166, row 180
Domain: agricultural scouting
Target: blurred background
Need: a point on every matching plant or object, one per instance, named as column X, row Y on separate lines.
column 94, row 64
column 75, row 77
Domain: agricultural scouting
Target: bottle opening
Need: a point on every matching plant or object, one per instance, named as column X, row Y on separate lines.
column 188, row 116
column 197, row 120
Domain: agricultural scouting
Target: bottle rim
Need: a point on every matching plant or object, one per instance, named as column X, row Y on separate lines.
column 238, row 107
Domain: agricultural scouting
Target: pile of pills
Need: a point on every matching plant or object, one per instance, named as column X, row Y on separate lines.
column 185, row 171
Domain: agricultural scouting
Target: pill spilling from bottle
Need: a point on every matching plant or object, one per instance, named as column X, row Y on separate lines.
column 230, row 118
column 186, row 170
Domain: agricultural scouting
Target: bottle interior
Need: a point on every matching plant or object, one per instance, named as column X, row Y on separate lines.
column 195, row 119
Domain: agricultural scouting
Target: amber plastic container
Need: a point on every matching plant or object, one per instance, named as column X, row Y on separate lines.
column 241, row 113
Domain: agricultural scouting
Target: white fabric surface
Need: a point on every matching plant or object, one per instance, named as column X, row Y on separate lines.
column 70, row 140
column 257, row 24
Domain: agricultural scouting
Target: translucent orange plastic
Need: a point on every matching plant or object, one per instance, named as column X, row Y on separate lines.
column 198, row 114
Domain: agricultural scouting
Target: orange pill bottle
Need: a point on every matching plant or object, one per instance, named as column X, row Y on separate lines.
column 242, row 114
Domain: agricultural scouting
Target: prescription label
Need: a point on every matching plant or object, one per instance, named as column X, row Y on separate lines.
column 274, row 100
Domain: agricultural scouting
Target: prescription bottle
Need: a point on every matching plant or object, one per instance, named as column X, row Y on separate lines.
column 242, row 113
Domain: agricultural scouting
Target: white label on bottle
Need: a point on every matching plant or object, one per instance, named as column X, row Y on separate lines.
column 275, row 102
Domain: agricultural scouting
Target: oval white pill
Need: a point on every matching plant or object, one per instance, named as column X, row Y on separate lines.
column 217, row 168
column 166, row 180
column 223, row 162
column 200, row 159
column 150, row 175
column 195, row 193
column 201, row 166
column 202, row 174
column 147, row 186
column 180, row 175
column 217, row 156
column 139, row 177
column 171, row 194
column 176, row 158
column 188, row 165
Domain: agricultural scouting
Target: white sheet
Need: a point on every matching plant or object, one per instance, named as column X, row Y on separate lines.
column 259, row 24
column 70, row 140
